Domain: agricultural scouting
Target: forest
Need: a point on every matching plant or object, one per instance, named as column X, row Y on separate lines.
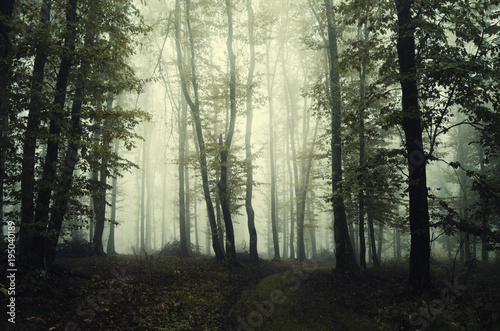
column 250, row 164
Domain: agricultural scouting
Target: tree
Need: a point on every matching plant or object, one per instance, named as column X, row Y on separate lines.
column 27, row 241
column 194, row 106
column 254, row 257
column 182, row 116
column 419, row 273
column 344, row 251
column 56, row 98
column 6, row 9
column 223, row 184
column 111, row 240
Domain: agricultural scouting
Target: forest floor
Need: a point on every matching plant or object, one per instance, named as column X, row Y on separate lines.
column 167, row 293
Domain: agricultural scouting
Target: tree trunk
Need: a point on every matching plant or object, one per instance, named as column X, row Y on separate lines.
column 361, row 134
column 182, row 204
column 32, row 255
column 100, row 194
column 195, row 111
column 312, row 233
column 380, row 240
column 398, row 244
column 188, row 194
column 344, row 251
column 373, row 250
column 111, row 240
column 272, row 161
column 484, row 220
column 50, row 181
column 163, row 209
column 223, row 185
column 254, row 256
column 61, row 198
column 6, row 55
column 143, row 248
column 419, row 273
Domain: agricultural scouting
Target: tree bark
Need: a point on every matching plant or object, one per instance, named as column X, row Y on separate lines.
column 6, row 55
column 344, row 251
column 111, row 239
column 99, row 196
column 195, row 111
column 419, row 272
column 361, row 134
column 273, row 219
column 254, row 257
column 32, row 255
column 50, row 181
column 61, row 197
column 223, row 185
column 182, row 203
column 373, row 249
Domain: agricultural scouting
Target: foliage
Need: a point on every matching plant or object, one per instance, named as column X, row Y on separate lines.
column 172, row 248
column 73, row 248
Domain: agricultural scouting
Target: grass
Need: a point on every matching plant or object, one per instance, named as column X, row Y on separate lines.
column 166, row 293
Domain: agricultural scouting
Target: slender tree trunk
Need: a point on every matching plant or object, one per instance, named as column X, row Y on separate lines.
column 91, row 207
column 163, row 209
column 380, row 240
column 254, row 257
column 50, row 181
column 195, row 111
column 111, row 240
column 196, row 226
column 31, row 254
column 149, row 173
column 398, row 244
column 6, row 55
column 223, row 185
column 61, row 198
column 143, row 194
column 484, row 221
column 361, row 115
column 285, row 221
column 188, row 196
column 292, row 214
column 100, row 196
column 344, row 251
column 373, row 250
column 312, row 232
column 181, row 168
column 419, row 273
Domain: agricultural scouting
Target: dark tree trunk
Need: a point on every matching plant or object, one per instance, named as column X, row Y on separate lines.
column 344, row 251
column 484, row 221
column 188, row 195
column 32, row 256
column 61, row 198
column 111, row 239
column 398, row 244
column 373, row 250
column 272, row 161
column 380, row 240
column 195, row 111
column 143, row 195
column 361, row 116
column 292, row 214
column 254, row 257
column 100, row 206
column 419, row 273
column 6, row 54
column 181, row 168
column 50, row 181
column 100, row 195
column 223, row 185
